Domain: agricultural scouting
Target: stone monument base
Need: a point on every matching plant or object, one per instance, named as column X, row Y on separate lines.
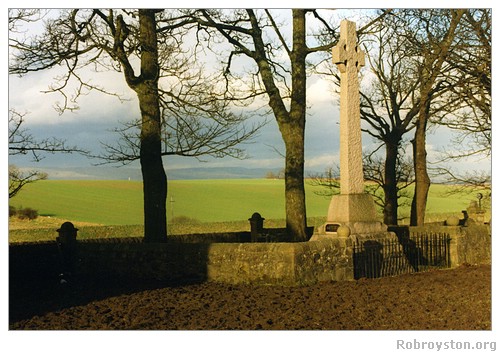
column 351, row 214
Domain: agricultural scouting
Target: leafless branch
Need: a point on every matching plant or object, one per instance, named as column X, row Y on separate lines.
column 22, row 142
column 18, row 179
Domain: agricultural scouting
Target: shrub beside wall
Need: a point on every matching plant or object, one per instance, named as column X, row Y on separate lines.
column 23, row 213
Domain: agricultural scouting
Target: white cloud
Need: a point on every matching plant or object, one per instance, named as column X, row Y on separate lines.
column 321, row 90
column 322, row 161
column 26, row 95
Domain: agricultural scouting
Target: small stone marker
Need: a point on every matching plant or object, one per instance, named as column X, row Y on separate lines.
column 353, row 208
column 256, row 226
column 66, row 244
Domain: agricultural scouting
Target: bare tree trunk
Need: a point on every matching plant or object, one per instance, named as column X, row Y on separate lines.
column 422, row 180
column 295, row 196
column 295, row 130
column 391, row 184
column 153, row 174
column 431, row 67
column 291, row 123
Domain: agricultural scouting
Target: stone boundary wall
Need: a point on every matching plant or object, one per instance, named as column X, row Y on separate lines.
column 468, row 245
column 280, row 263
column 256, row 263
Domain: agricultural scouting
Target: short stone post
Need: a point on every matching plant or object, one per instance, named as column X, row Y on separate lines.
column 67, row 246
column 256, row 226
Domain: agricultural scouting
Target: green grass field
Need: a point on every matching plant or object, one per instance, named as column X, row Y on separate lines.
column 120, row 202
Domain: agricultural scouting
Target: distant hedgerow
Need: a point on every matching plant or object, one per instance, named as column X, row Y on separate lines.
column 27, row 213
column 184, row 220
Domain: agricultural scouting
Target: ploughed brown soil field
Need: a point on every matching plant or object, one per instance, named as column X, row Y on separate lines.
column 441, row 299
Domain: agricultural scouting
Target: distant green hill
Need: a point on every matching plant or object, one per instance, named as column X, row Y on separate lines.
column 120, row 202
column 134, row 173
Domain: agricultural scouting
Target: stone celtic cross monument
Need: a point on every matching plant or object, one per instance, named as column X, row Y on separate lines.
column 353, row 208
column 349, row 59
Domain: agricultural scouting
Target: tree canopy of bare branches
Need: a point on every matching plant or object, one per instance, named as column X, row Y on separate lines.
column 279, row 71
column 181, row 109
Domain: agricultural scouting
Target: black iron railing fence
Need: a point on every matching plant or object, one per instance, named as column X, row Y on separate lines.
column 405, row 254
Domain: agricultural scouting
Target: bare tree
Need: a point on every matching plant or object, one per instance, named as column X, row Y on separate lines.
column 146, row 47
column 428, row 67
column 329, row 181
column 470, row 84
column 280, row 73
column 244, row 30
column 19, row 17
column 374, row 168
column 194, row 123
column 431, row 34
column 469, row 81
column 389, row 105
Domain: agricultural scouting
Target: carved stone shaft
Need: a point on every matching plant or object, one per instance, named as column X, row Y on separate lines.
column 349, row 59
